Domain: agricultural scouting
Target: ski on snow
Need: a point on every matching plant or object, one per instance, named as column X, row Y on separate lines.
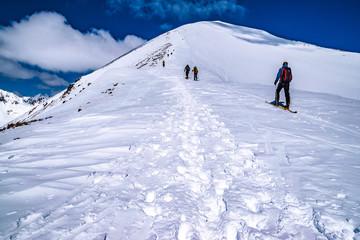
column 281, row 105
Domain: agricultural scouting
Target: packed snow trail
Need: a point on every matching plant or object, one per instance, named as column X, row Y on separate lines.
column 227, row 176
column 315, row 151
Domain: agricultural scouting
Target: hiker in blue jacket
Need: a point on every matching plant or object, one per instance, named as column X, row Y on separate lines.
column 284, row 77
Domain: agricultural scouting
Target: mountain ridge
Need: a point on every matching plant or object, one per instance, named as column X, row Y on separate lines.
column 246, row 44
column 13, row 106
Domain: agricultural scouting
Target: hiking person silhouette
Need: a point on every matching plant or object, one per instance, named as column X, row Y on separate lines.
column 284, row 76
column 195, row 70
column 187, row 70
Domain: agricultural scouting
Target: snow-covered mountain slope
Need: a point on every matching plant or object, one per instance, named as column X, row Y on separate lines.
column 12, row 106
column 135, row 151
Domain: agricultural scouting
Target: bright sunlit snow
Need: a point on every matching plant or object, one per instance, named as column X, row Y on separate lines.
column 135, row 151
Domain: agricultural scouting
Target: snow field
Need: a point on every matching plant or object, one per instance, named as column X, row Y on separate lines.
column 192, row 181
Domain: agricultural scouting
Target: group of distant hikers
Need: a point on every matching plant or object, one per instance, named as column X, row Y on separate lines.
column 187, row 70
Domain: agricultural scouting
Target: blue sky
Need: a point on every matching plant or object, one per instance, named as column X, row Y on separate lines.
column 45, row 45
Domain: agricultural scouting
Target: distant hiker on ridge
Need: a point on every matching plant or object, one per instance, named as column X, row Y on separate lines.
column 187, row 70
column 285, row 77
column 163, row 63
column 195, row 70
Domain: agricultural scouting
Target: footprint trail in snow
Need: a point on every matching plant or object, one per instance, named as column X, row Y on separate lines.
column 221, row 190
column 191, row 180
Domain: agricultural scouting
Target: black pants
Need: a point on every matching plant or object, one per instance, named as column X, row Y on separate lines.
column 195, row 77
column 286, row 87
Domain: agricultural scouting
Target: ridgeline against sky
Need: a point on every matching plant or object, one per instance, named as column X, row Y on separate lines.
column 45, row 45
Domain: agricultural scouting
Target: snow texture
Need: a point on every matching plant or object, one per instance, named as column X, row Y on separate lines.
column 136, row 151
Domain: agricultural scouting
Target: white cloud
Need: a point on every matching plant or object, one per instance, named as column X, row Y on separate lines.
column 182, row 9
column 46, row 40
column 14, row 70
column 52, row 79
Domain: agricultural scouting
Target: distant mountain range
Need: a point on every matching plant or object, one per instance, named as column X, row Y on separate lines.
column 13, row 106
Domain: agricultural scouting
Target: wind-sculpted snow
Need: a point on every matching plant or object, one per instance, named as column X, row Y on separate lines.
column 254, row 35
column 143, row 153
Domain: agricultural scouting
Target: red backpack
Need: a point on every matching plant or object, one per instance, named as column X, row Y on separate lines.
column 286, row 75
